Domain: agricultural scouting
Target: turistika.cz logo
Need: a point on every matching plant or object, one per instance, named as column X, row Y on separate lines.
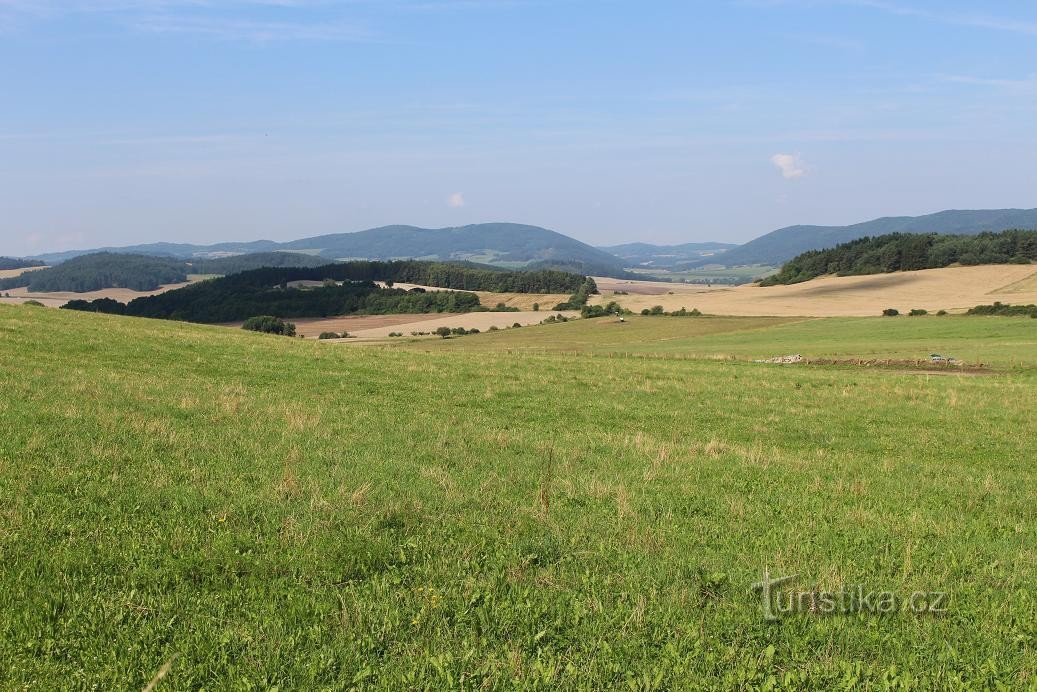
column 777, row 602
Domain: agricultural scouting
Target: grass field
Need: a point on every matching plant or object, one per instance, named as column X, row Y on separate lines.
column 540, row 508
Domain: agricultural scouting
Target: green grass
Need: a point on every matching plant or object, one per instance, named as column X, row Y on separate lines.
column 1004, row 343
column 262, row 511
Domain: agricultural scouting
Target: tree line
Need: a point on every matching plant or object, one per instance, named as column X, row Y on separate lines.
column 102, row 270
column 909, row 252
column 241, row 296
column 8, row 263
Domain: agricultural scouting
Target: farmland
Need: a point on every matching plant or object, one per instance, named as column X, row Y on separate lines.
column 495, row 510
column 952, row 288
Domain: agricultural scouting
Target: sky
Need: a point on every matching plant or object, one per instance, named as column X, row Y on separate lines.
column 131, row 121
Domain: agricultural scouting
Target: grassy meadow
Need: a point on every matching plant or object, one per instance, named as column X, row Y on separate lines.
column 578, row 505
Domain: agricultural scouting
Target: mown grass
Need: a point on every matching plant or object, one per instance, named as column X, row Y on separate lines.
column 263, row 511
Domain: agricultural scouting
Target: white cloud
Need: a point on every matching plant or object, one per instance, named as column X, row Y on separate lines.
column 790, row 165
column 455, row 201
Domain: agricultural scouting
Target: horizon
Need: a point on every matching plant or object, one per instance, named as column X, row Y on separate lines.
column 197, row 122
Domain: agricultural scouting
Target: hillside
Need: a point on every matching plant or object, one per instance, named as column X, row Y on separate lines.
column 909, row 252
column 342, row 288
column 781, row 245
column 103, row 270
column 260, row 511
column 506, row 244
column 669, row 256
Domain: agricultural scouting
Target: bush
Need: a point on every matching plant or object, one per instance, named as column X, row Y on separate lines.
column 329, row 335
column 443, row 332
column 890, row 312
column 536, row 307
column 268, row 324
column 516, row 325
column 941, row 313
column 917, row 312
column 1004, row 309
column 395, row 334
column 34, row 303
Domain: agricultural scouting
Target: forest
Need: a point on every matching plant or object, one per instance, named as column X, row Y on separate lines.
column 909, row 252
column 245, row 295
column 8, row 263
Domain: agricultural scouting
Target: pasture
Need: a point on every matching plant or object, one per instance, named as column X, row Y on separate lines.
column 569, row 506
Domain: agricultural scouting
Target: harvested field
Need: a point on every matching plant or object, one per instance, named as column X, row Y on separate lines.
column 57, row 299
column 469, row 320
column 522, row 301
column 312, row 327
column 11, row 273
column 954, row 289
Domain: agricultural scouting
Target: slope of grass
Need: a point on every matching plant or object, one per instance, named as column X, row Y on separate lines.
column 261, row 511
column 1005, row 343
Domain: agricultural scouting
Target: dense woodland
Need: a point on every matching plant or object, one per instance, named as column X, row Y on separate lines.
column 909, row 252
column 102, row 270
column 8, row 263
column 245, row 295
column 348, row 288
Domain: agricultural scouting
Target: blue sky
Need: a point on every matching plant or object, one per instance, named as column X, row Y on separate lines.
column 128, row 121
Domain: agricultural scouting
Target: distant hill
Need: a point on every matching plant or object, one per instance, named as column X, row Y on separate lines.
column 8, row 263
column 783, row 244
column 101, row 270
column 668, row 256
column 896, row 252
column 506, row 244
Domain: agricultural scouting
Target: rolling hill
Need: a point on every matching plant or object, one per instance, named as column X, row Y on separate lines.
column 103, row 270
column 506, row 244
column 781, row 245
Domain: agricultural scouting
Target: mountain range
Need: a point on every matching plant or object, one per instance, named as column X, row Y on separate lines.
column 503, row 244
column 512, row 245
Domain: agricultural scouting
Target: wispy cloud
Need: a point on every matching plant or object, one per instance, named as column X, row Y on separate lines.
column 790, row 165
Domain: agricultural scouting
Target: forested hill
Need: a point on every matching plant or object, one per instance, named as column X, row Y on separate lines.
column 337, row 289
column 144, row 273
column 908, row 252
column 509, row 245
column 103, row 270
column 8, row 263
column 785, row 243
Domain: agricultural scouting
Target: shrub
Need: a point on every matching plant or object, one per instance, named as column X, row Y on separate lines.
column 890, row 312
column 941, row 313
column 328, row 335
column 34, row 303
column 516, row 325
column 917, row 312
column 494, row 328
column 443, row 332
column 268, row 324
column 536, row 307
column 395, row 334
column 1004, row 309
